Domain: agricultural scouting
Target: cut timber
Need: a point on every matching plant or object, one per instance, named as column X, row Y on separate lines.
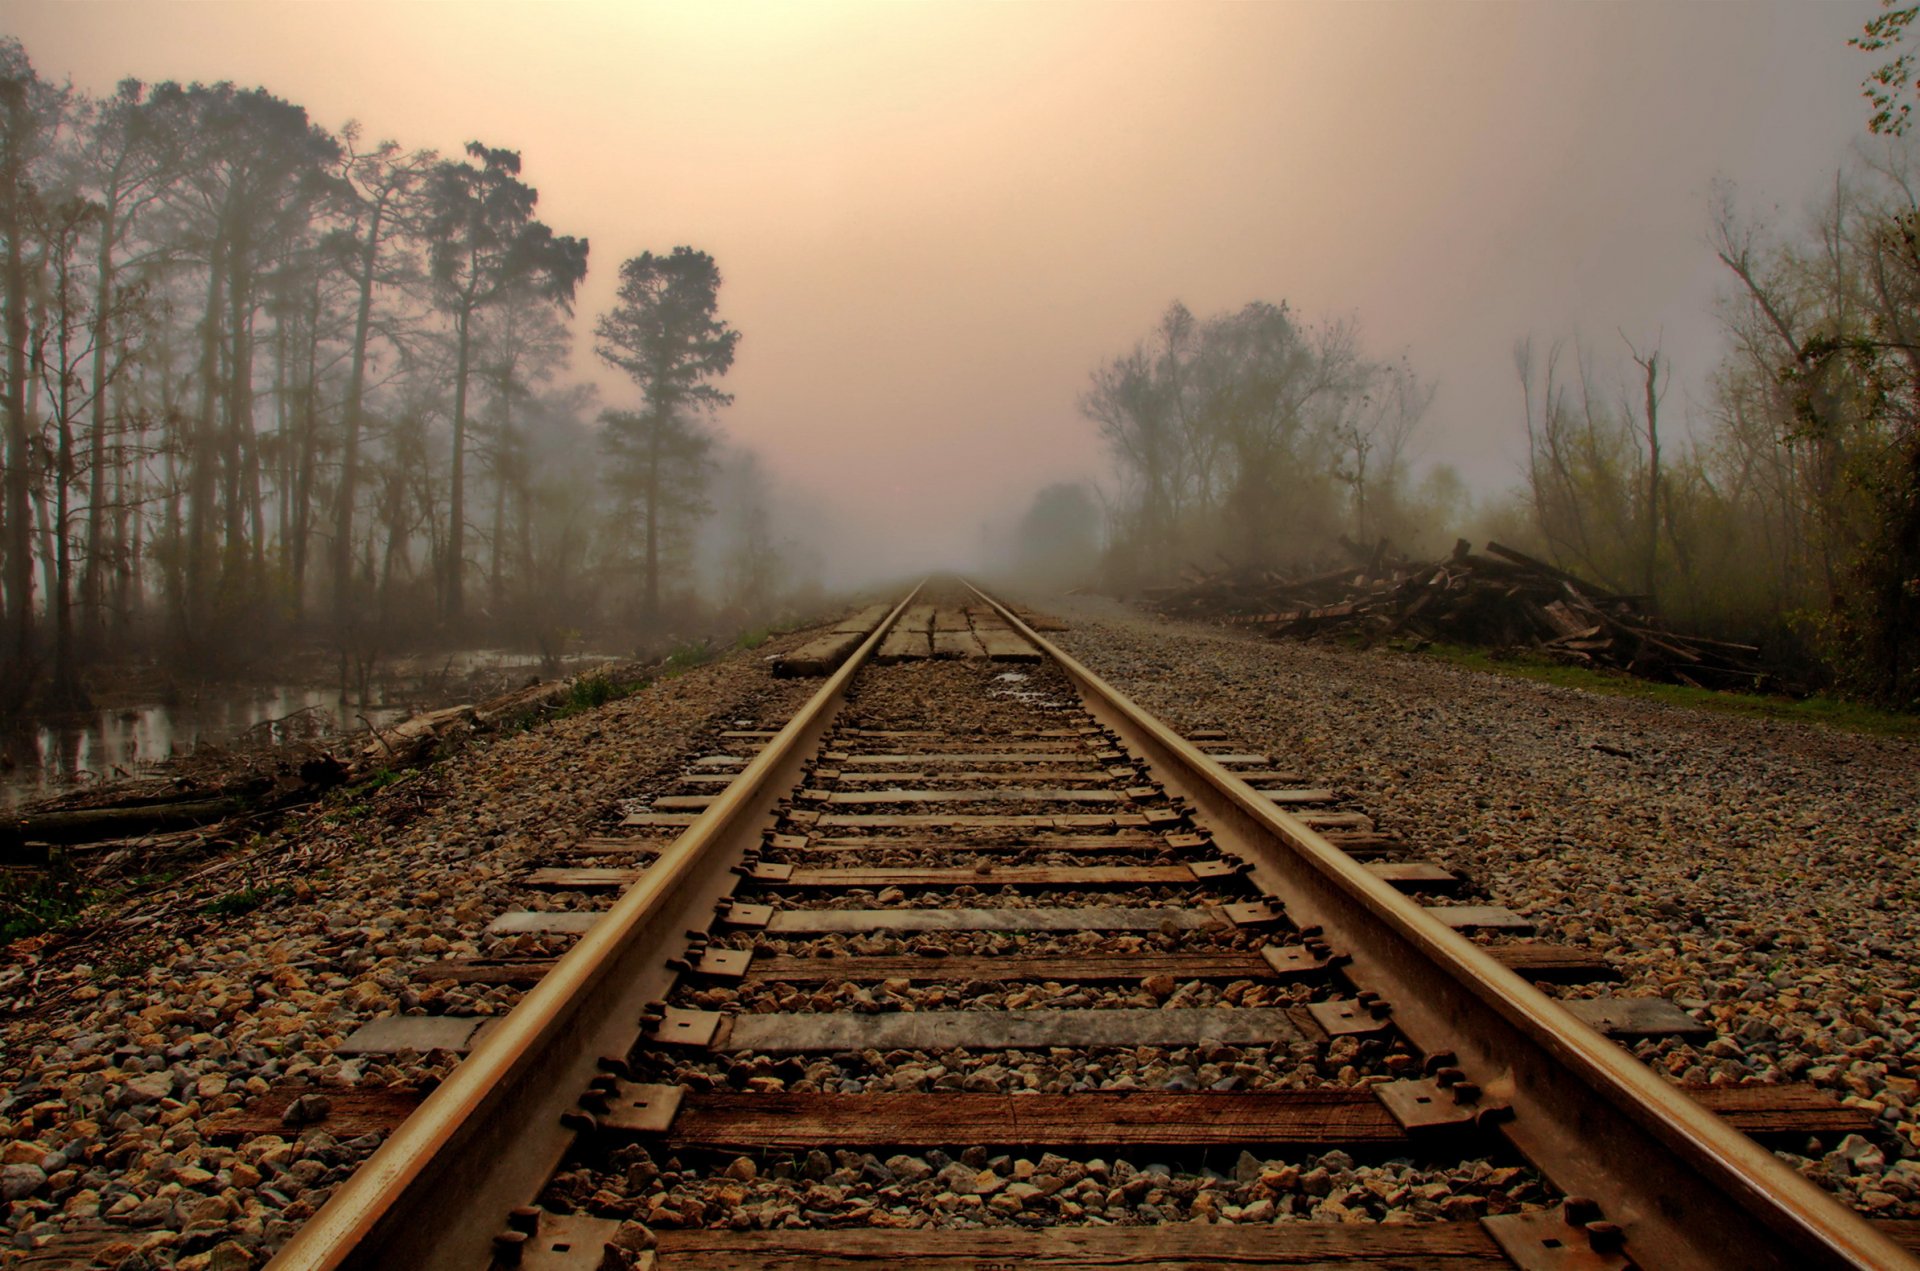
column 950, row 620
column 1288, row 798
column 1005, row 646
column 349, row 1111
column 1314, row 1246
column 827, row 921
column 563, row 922
column 581, row 878
column 1416, row 875
column 993, row 876
column 1770, row 1112
column 1032, row 844
column 1480, row 917
column 1555, row 963
column 486, row 970
column 821, row 656
column 856, row 798
column 1324, row 1119
column 863, row 622
column 786, row 969
column 1009, row 1030
column 391, row 1034
column 1070, row 754
column 958, row 820
column 894, row 776
column 957, row 644
column 1634, row 1017
column 909, row 637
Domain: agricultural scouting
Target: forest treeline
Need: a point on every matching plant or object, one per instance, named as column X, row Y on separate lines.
column 1785, row 509
column 264, row 381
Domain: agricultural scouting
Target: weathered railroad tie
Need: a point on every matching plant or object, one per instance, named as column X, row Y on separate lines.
column 1072, row 892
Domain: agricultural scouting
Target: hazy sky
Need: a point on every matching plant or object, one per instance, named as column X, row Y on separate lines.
column 933, row 220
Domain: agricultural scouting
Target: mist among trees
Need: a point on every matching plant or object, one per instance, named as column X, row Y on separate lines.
column 270, row 383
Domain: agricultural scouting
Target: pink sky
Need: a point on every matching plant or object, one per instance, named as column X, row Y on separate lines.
column 934, row 219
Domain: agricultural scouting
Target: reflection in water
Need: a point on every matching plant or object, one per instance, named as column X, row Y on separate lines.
column 112, row 744
column 109, row 745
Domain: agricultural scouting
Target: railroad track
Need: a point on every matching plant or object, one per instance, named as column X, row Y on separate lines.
column 919, row 976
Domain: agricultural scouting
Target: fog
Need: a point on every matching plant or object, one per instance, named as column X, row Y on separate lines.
column 933, row 221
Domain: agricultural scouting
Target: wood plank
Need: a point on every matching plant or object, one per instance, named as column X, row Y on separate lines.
column 995, row 876
column 1097, row 918
column 905, row 820
column 683, row 802
column 788, row 969
column 1044, row 774
column 957, row 644
column 1557, row 963
column 1030, row 843
column 821, row 656
column 391, row 1034
column 1005, row 646
column 1636, row 1017
column 593, row 877
column 1293, row 797
column 877, row 798
column 1317, row 1246
column 559, row 922
column 1416, row 875
column 1076, row 754
column 1322, row 1119
column 1768, row 1112
column 946, row 618
column 1479, row 917
column 902, row 645
column 1229, row 758
column 1008, row 1030
column 521, row 971
column 659, row 818
column 864, row 621
column 349, row 1111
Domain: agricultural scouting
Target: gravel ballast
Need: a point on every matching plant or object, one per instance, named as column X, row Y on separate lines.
column 112, row 1057
column 1760, row 874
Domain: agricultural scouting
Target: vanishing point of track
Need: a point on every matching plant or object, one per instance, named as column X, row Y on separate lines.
column 1442, row 1048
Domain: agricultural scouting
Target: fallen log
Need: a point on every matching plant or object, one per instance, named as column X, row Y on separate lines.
column 90, row 824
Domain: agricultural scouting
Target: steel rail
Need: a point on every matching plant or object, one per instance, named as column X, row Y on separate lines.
column 490, row 1136
column 1688, row 1190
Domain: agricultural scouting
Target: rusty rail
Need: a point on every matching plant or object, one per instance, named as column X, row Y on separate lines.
column 490, row 1136
column 1687, row 1189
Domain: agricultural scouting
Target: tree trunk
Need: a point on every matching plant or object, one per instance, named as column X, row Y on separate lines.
column 455, row 565
column 650, row 614
column 19, row 523
column 201, row 453
column 93, row 581
column 350, row 429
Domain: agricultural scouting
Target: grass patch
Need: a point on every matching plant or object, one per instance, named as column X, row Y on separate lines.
column 590, row 692
column 685, row 657
column 1832, row 712
column 36, row 902
column 244, row 901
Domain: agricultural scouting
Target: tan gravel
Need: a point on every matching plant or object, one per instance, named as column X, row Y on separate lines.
column 1762, row 874
column 107, row 1068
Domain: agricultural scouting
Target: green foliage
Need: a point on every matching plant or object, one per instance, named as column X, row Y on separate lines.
column 685, row 657
column 244, row 901
column 1891, row 79
column 1832, row 712
column 53, row 900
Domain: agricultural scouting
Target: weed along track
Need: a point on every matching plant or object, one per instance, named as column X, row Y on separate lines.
column 974, row 963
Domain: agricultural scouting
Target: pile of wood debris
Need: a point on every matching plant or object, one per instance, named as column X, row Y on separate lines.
column 1502, row 599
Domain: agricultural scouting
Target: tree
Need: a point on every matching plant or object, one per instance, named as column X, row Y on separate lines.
column 485, row 242
column 663, row 332
column 379, row 186
column 31, row 111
